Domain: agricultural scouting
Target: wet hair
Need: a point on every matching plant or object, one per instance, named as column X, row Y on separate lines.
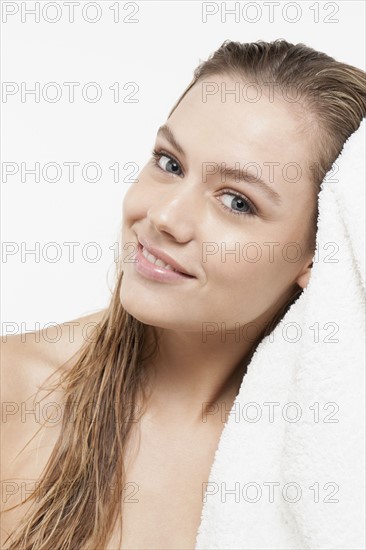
column 328, row 96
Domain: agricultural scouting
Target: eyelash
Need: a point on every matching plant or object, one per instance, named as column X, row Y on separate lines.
column 156, row 156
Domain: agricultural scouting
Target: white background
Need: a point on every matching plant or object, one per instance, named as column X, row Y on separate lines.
column 159, row 53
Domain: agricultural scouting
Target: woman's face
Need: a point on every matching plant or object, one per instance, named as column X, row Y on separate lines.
column 244, row 263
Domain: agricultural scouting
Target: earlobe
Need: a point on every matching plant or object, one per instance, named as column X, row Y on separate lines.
column 303, row 279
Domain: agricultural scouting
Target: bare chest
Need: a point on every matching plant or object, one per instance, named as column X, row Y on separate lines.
column 164, row 489
column 167, row 469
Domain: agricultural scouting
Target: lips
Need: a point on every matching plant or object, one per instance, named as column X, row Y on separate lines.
column 161, row 255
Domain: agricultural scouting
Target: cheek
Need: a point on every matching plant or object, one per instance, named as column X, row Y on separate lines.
column 130, row 204
column 252, row 277
column 136, row 201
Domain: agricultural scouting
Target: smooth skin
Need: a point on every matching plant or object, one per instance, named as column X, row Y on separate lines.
column 179, row 213
column 172, row 207
column 173, row 446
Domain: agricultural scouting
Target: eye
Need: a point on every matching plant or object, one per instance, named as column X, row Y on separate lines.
column 166, row 162
column 245, row 207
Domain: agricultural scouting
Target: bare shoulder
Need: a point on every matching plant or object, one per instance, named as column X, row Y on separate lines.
column 27, row 359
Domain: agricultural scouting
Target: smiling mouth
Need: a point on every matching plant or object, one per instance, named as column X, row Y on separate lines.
column 153, row 260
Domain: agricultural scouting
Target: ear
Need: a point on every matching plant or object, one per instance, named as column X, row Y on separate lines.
column 304, row 276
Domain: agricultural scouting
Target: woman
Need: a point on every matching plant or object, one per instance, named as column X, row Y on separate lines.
column 206, row 272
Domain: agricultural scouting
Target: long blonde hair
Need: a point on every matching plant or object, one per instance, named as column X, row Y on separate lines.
column 74, row 506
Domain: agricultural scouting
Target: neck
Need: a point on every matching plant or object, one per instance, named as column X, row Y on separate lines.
column 195, row 374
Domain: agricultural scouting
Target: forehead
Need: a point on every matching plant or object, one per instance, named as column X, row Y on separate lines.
column 216, row 127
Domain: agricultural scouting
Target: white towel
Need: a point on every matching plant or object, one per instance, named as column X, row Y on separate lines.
column 311, row 455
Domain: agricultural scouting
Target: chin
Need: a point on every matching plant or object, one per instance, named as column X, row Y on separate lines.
column 142, row 305
column 152, row 312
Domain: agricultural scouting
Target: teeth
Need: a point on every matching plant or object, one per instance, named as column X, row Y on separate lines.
column 152, row 259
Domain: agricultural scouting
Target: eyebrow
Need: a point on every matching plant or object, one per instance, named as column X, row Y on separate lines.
column 235, row 174
column 168, row 134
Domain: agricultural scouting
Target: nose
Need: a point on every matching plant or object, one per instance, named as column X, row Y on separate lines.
column 174, row 211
